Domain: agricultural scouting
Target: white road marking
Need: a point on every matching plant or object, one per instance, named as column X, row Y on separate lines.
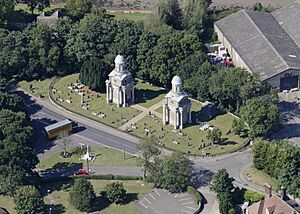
column 184, row 199
column 156, row 192
column 152, row 197
column 143, row 205
column 188, row 203
column 147, row 200
column 187, row 211
column 176, row 195
column 192, row 208
column 182, row 195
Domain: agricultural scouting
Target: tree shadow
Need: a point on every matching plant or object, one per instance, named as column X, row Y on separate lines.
column 130, row 197
column 31, row 107
column 225, row 142
column 63, row 169
column 100, row 203
column 201, row 177
column 203, row 202
column 142, row 95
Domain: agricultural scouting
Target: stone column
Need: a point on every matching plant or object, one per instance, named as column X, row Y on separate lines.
column 118, row 97
column 124, row 97
column 164, row 114
column 181, row 118
column 175, row 119
column 111, row 93
column 107, row 92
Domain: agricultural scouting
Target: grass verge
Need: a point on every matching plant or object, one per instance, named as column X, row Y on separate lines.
column 38, row 88
column 259, row 177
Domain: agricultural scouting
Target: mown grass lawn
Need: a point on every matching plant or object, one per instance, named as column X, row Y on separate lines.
column 259, row 177
column 114, row 116
column 104, row 157
column 191, row 138
column 148, row 95
column 61, row 197
column 38, row 88
column 8, row 203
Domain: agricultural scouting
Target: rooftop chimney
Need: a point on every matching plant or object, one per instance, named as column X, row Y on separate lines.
column 268, row 190
column 283, row 193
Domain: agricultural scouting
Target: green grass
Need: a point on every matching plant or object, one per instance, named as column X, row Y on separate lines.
column 8, row 203
column 104, row 157
column 60, row 197
column 259, row 177
column 148, row 95
column 136, row 17
column 38, row 88
column 114, row 116
column 191, row 137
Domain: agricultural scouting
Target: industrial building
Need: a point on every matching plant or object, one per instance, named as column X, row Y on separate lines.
column 265, row 43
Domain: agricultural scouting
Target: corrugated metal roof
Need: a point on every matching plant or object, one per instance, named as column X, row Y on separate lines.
column 58, row 124
column 261, row 42
column 289, row 19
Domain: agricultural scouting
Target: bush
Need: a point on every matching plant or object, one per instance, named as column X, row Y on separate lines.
column 196, row 195
column 115, row 192
column 252, row 196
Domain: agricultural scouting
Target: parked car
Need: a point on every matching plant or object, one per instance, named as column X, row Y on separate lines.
column 81, row 172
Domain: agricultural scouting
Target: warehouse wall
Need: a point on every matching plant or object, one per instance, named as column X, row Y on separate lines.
column 275, row 80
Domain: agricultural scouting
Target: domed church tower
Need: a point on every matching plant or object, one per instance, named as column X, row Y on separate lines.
column 120, row 84
column 177, row 106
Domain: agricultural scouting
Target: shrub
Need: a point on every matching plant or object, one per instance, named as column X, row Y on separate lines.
column 196, row 195
column 252, row 196
column 115, row 192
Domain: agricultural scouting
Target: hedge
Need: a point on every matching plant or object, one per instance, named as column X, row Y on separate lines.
column 95, row 177
column 195, row 194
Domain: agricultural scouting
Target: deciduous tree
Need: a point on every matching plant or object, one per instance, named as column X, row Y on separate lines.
column 115, row 192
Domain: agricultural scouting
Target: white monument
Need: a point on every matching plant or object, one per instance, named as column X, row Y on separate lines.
column 120, row 85
column 177, row 106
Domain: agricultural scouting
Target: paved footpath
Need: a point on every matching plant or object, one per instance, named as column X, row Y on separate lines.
column 144, row 113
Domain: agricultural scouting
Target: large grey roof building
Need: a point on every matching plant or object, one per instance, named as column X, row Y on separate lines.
column 265, row 43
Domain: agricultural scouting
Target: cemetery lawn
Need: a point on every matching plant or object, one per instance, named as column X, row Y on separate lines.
column 38, row 88
column 133, row 189
column 8, row 203
column 113, row 116
column 104, row 157
column 190, row 138
column 259, row 177
column 147, row 95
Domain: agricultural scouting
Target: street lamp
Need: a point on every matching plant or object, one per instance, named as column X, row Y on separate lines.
column 142, row 188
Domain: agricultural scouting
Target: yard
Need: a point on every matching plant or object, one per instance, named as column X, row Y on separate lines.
column 96, row 102
column 191, row 140
column 104, row 157
column 259, row 177
column 60, row 197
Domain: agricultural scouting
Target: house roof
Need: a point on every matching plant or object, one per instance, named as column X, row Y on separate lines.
column 261, row 42
column 274, row 205
column 289, row 19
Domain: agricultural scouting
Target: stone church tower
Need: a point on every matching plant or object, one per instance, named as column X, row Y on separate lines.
column 120, row 85
column 177, row 106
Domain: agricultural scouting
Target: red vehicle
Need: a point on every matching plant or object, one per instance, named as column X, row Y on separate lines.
column 81, row 172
